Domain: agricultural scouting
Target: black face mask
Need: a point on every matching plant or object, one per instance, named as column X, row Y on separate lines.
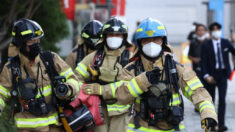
column 34, row 50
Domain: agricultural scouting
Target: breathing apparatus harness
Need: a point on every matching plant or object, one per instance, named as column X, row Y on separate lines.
column 156, row 104
column 80, row 119
column 98, row 61
column 80, row 53
column 26, row 96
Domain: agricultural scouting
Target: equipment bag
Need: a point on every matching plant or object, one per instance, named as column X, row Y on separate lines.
column 80, row 119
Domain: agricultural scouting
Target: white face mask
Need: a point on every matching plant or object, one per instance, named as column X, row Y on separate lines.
column 114, row 42
column 203, row 37
column 217, row 34
column 152, row 49
column 207, row 35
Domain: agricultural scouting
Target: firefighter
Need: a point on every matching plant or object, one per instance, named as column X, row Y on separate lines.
column 153, row 82
column 104, row 66
column 26, row 81
column 90, row 35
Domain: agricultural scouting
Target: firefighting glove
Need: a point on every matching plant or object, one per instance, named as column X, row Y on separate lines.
column 94, row 88
column 209, row 124
column 154, row 75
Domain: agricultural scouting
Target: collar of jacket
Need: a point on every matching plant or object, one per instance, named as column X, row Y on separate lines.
column 149, row 65
column 216, row 41
column 25, row 61
column 116, row 52
column 13, row 50
column 80, row 40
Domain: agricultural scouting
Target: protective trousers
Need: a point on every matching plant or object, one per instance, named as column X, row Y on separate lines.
column 51, row 128
column 117, row 123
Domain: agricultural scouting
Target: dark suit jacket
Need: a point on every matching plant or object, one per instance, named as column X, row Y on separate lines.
column 208, row 60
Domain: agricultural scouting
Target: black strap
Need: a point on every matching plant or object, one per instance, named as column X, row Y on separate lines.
column 171, row 72
column 16, row 73
column 80, row 53
column 136, row 120
column 139, row 68
column 138, row 65
column 99, row 57
column 124, row 59
column 47, row 59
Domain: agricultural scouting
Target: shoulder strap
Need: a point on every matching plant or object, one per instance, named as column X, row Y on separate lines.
column 99, row 57
column 47, row 59
column 171, row 72
column 139, row 68
column 80, row 53
column 15, row 70
column 16, row 73
column 125, row 57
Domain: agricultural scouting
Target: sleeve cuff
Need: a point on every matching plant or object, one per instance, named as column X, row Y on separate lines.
column 143, row 81
column 205, row 76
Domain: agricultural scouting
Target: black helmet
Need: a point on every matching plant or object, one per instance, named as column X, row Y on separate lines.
column 91, row 33
column 25, row 29
column 114, row 25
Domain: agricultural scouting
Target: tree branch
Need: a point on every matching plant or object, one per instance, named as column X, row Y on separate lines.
column 11, row 16
column 35, row 9
column 29, row 10
column 6, row 22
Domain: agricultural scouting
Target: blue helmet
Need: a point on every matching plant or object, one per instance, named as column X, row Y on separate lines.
column 150, row 28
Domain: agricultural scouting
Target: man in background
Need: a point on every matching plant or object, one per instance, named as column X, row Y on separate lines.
column 216, row 68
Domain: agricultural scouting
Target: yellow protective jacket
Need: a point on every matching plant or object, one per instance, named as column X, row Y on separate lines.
column 72, row 57
column 113, row 114
column 128, row 91
column 25, row 120
column 109, row 63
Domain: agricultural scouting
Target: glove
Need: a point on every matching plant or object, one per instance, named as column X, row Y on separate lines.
column 154, row 75
column 209, row 124
column 94, row 88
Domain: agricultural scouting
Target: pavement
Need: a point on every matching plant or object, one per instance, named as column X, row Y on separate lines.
column 192, row 119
